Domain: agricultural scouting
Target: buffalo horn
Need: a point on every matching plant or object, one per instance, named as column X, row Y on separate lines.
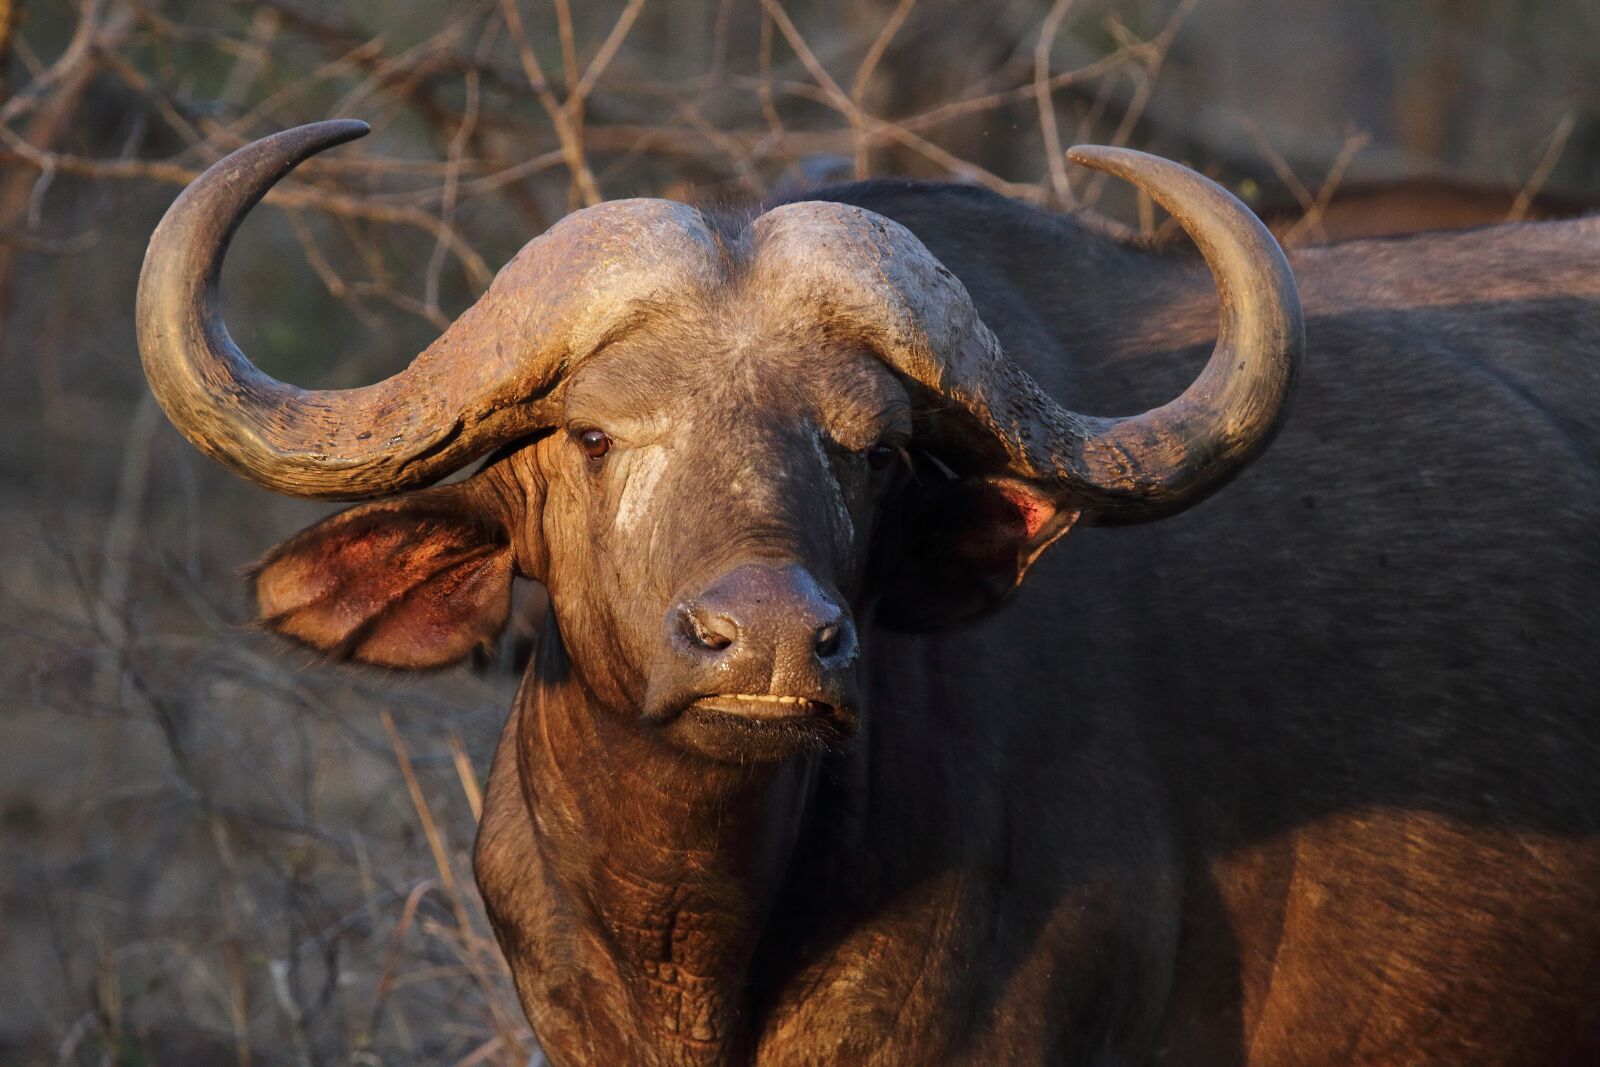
column 481, row 384
column 846, row 261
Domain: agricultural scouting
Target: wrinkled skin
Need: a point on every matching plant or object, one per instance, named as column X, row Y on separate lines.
column 1305, row 775
column 784, row 438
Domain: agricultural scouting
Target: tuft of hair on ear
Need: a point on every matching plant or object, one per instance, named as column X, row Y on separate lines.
column 415, row 583
column 959, row 547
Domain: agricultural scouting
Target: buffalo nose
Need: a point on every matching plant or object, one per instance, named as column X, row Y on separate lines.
column 769, row 613
column 706, row 629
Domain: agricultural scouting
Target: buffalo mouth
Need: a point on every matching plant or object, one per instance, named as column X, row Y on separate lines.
column 760, row 707
column 751, row 727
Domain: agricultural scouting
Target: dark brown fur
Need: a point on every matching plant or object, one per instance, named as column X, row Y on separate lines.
column 1305, row 775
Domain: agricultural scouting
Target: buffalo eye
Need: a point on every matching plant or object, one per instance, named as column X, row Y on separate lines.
column 594, row 443
column 880, row 456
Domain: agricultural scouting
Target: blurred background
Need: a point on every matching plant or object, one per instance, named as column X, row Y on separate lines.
column 214, row 849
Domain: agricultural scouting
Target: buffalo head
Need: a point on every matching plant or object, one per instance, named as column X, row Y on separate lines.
column 718, row 444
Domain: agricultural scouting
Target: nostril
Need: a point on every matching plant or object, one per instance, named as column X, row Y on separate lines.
column 715, row 642
column 711, row 632
column 828, row 639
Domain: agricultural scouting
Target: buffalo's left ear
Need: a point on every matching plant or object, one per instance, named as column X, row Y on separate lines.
column 962, row 546
column 414, row 582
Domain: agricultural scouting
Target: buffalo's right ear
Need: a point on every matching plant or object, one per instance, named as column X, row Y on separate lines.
column 416, row 581
column 960, row 546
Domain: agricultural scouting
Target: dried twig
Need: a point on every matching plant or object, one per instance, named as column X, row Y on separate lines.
column 1354, row 142
column 1060, row 189
column 566, row 130
column 1279, row 165
column 287, row 194
column 506, row 1030
column 863, row 79
column 1154, row 54
column 1541, row 172
column 447, row 207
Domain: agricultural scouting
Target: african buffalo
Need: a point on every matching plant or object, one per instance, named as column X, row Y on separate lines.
column 803, row 772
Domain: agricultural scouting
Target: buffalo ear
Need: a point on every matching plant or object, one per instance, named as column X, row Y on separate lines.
column 414, row 582
column 962, row 546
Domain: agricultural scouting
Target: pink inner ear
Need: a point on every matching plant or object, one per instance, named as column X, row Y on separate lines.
column 391, row 584
column 1034, row 509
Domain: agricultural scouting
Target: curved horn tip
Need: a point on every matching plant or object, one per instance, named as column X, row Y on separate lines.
column 327, row 133
column 1091, row 154
column 1119, row 162
column 352, row 127
column 1139, row 168
column 1234, row 408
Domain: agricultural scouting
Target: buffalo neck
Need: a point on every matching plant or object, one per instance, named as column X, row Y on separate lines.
column 666, row 863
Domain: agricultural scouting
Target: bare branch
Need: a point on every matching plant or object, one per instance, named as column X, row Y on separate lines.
column 1354, row 142
column 608, row 48
column 1154, row 55
column 1541, row 173
column 587, row 191
column 447, row 207
column 869, row 64
column 287, row 195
